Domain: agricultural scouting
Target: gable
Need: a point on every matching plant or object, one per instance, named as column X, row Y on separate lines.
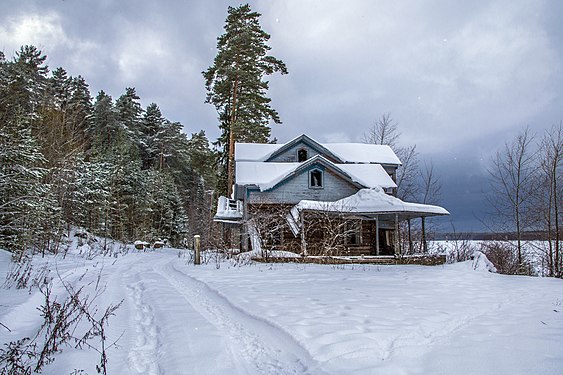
column 289, row 151
column 297, row 186
column 266, row 176
column 339, row 153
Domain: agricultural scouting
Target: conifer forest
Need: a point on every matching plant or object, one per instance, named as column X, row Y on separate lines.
column 105, row 164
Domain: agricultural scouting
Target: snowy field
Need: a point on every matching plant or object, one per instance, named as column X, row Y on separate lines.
column 178, row 318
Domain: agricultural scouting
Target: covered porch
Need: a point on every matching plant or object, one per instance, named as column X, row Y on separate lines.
column 364, row 224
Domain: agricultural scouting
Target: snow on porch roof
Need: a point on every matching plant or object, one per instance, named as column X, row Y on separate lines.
column 347, row 152
column 373, row 201
column 268, row 175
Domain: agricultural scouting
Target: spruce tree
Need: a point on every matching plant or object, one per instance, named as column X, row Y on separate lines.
column 105, row 127
column 129, row 113
column 235, row 84
column 24, row 84
column 202, row 158
column 151, row 125
column 22, row 190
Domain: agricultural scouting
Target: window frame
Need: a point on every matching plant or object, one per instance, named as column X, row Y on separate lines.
column 320, row 180
column 354, row 230
column 300, row 150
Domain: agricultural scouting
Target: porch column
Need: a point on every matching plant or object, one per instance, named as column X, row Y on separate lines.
column 303, row 239
column 377, row 235
column 410, row 237
column 397, row 249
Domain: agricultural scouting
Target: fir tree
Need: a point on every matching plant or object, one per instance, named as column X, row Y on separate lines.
column 129, row 113
column 105, row 127
column 202, row 158
column 235, row 84
column 23, row 84
column 21, row 188
column 151, row 125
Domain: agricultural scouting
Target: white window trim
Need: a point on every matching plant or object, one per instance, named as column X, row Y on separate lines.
column 310, row 179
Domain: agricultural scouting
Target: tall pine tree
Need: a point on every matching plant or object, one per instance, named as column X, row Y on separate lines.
column 235, row 84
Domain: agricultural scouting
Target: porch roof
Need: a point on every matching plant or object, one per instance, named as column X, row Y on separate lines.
column 372, row 203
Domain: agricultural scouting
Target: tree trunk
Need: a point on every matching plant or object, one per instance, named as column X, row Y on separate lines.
column 231, row 160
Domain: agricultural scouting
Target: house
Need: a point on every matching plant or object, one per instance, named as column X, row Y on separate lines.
column 316, row 198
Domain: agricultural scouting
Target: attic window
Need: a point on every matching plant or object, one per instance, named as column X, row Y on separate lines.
column 316, row 179
column 301, row 155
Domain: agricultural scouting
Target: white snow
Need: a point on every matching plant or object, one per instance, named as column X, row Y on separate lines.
column 262, row 174
column 363, row 153
column 225, row 211
column 268, row 175
column 373, row 200
column 482, row 263
column 230, row 318
column 347, row 152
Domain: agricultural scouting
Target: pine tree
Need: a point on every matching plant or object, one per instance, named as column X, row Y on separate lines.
column 235, row 84
column 105, row 127
column 202, row 158
column 129, row 113
column 21, row 188
column 114, row 169
column 24, row 83
column 80, row 106
column 151, row 125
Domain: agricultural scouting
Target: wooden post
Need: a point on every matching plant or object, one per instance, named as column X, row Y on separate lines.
column 197, row 244
column 410, row 237
column 423, row 236
column 377, row 235
column 397, row 247
column 303, row 239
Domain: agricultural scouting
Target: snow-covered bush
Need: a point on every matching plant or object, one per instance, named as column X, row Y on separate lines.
column 505, row 258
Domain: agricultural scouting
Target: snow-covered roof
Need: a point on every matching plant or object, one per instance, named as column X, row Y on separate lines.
column 372, row 201
column 363, row 153
column 268, row 175
column 347, row 152
column 254, row 151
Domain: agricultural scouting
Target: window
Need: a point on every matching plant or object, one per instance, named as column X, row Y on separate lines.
column 353, row 233
column 301, row 155
column 316, row 179
column 275, row 237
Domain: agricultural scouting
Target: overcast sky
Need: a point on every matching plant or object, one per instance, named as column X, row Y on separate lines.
column 460, row 78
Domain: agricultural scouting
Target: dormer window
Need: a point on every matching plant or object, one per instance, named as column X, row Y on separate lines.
column 316, row 179
column 301, row 155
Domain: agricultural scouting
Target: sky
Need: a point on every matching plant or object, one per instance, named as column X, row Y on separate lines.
column 459, row 78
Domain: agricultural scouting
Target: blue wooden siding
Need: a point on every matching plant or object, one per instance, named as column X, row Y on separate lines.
column 290, row 155
column 297, row 188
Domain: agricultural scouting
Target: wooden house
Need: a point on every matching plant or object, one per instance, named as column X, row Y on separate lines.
column 316, row 198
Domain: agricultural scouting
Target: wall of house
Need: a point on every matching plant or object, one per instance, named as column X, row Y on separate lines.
column 290, row 155
column 296, row 189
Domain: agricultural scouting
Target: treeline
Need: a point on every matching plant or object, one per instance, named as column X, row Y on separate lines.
column 526, row 195
column 111, row 166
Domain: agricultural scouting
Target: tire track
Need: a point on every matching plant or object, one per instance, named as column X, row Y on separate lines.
column 259, row 346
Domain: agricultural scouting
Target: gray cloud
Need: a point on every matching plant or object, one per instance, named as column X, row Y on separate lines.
column 460, row 78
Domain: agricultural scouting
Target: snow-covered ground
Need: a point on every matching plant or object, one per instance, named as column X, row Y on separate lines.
column 178, row 318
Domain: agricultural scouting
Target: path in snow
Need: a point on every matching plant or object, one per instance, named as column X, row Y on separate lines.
column 259, row 346
column 293, row 319
column 172, row 321
column 143, row 356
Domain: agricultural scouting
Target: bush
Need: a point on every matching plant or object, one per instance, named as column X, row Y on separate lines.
column 504, row 256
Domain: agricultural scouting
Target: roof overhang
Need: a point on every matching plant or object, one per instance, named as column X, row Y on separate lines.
column 359, row 175
column 373, row 204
